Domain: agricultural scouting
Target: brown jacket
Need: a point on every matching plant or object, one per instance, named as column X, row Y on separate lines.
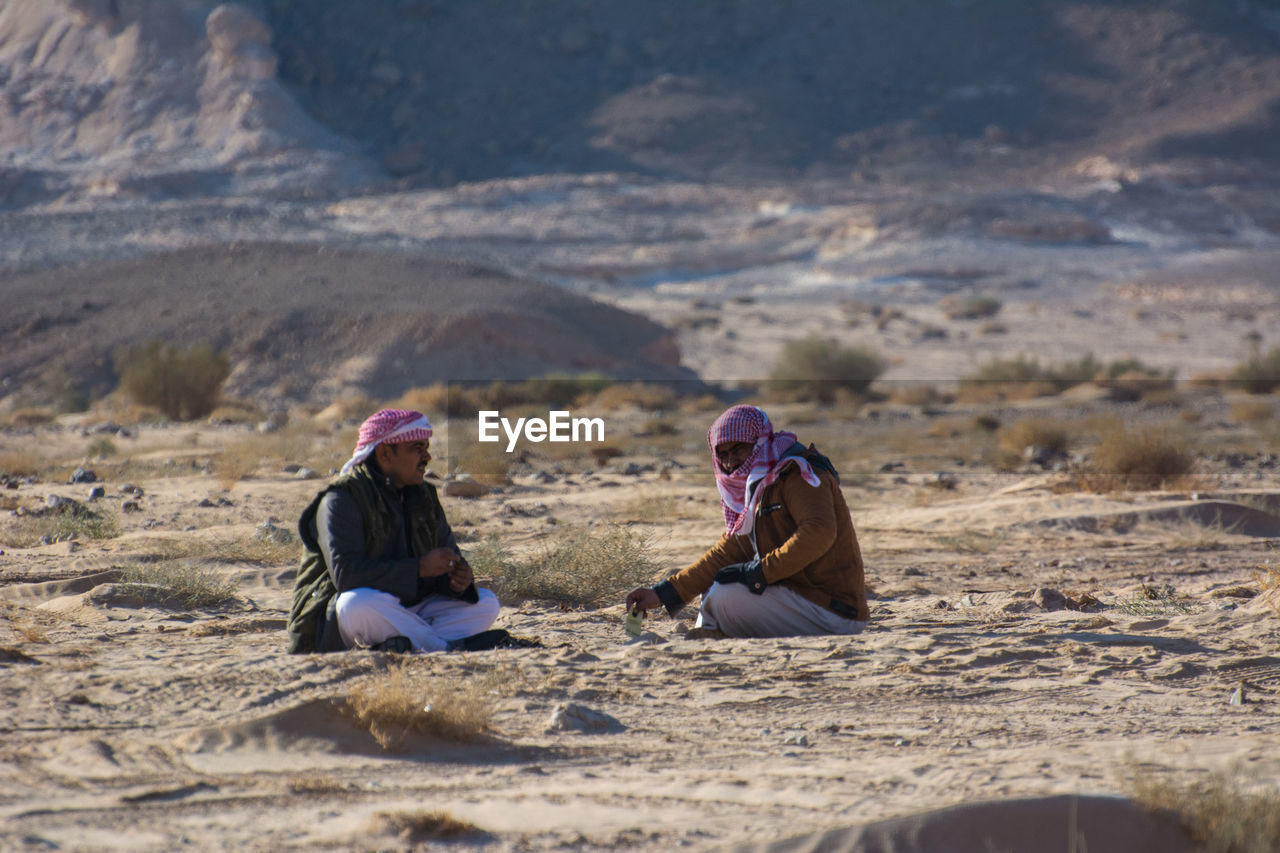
column 807, row 543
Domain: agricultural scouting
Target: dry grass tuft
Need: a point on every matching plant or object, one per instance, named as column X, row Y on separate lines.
column 251, row 549
column 1217, row 812
column 587, row 566
column 60, row 526
column 1268, row 577
column 1146, row 458
column 1252, row 412
column 29, row 417
column 1154, row 601
column 421, row 827
column 20, row 464
column 407, row 699
column 306, row 783
column 182, row 583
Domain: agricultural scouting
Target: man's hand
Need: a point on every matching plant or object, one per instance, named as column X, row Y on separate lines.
column 460, row 576
column 749, row 574
column 644, row 599
column 440, row 561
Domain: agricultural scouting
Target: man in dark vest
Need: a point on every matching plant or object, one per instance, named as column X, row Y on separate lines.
column 381, row 567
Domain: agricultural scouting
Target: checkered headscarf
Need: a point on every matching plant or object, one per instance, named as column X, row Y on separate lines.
column 390, row 425
column 740, row 489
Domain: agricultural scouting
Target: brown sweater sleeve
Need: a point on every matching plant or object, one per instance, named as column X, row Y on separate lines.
column 696, row 579
column 814, row 513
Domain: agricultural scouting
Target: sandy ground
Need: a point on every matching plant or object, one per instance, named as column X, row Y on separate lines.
column 133, row 726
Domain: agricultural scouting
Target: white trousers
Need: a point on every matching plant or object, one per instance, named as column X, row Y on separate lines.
column 778, row 612
column 367, row 616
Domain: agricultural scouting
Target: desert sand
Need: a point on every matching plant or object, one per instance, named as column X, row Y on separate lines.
column 648, row 191
column 135, row 725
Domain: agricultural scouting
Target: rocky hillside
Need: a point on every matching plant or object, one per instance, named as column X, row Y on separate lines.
column 180, row 98
column 310, row 323
column 464, row 91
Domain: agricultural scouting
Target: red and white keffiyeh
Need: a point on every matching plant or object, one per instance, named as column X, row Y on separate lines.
column 390, row 425
column 740, row 489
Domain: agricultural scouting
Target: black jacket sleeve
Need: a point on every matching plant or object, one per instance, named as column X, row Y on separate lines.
column 340, row 527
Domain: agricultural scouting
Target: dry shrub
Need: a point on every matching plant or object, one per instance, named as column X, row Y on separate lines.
column 406, row 699
column 20, row 464
column 1138, row 458
column 1014, row 439
column 648, row 396
column 235, row 464
column 421, row 827
column 236, row 412
column 970, row 308
column 182, row 583
column 185, row 385
column 1260, row 374
column 491, row 466
column 817, row 368
column 1216, row 812
column 588, row 566
column 29, row 417
column 918, row 394
column 1252, row 412
column 433, row 400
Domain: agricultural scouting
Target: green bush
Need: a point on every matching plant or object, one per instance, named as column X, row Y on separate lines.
column 183, row 385
column 817, row 368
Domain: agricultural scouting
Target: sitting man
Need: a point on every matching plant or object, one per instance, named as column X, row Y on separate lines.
column 788, row 564
column 381, row 567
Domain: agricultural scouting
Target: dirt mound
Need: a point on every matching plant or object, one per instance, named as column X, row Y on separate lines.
column 303, row 323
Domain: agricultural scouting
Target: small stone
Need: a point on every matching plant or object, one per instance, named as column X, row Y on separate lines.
column 571, row 716
column 306, row 474
column 130, row 489
column 292, row 468
column 55, row 501
column 205, row 503
column 1049, row 599
column 83, row 475
column 130, row 506
column 465, row 488
column 796, row 739
column 97, row 492
column 1237, row 696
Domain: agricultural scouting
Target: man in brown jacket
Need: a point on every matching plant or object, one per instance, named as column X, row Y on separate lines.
column 789, row 563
